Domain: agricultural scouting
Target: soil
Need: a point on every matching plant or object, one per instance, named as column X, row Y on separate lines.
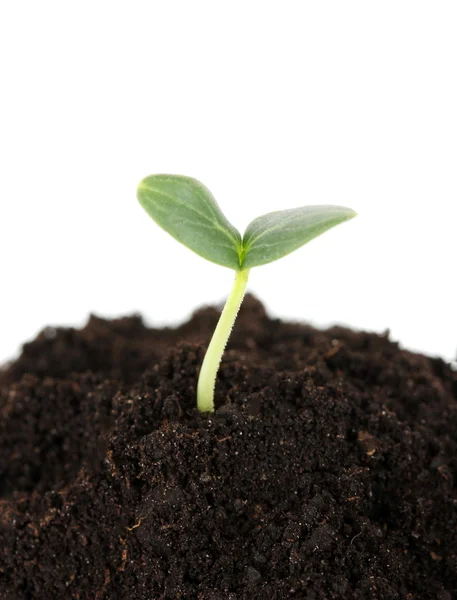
column 328, row 471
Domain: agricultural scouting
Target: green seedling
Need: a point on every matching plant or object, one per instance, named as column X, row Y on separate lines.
column 186, row 209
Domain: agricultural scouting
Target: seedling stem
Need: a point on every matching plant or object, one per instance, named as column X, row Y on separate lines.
column 213, row 357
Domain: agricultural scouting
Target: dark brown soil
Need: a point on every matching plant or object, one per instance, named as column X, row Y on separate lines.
column 328, row 471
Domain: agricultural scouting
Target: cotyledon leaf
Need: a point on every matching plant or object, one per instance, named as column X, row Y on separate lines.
column 186, row 209
column 276, row 234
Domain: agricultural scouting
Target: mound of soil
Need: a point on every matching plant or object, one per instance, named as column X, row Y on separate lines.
column 328, row 470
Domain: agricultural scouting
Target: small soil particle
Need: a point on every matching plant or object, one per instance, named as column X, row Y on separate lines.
column 327, row 471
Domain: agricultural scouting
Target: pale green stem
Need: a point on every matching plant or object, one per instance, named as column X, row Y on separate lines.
column 213, row 356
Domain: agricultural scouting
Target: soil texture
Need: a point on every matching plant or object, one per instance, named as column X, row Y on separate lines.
column 328, row 470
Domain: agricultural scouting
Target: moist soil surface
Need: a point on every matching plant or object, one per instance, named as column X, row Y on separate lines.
column 328, row 470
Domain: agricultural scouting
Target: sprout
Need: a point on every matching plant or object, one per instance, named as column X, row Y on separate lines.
column 186, row 209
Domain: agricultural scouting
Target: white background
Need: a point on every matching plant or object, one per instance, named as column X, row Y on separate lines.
column 272, row 105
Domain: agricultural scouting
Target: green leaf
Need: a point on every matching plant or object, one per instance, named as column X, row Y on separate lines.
column 186, row 209
column 276, row 234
